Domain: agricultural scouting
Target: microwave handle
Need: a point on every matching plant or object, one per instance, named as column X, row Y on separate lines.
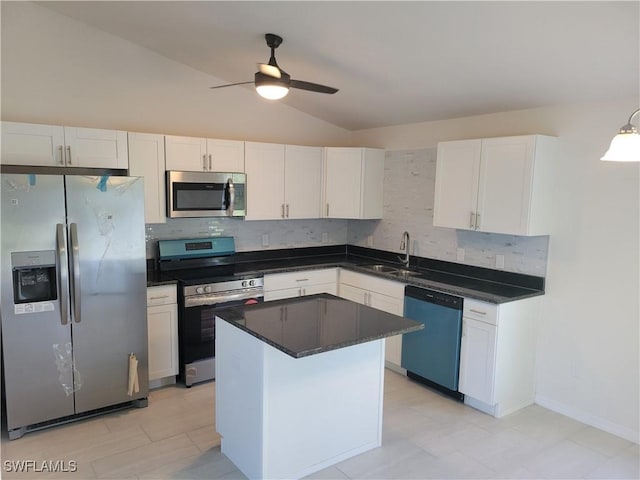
column 231, row 194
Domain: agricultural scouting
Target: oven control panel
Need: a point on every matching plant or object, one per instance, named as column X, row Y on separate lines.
column 226, row 286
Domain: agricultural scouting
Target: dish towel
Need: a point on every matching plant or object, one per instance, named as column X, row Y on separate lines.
column 133, row 375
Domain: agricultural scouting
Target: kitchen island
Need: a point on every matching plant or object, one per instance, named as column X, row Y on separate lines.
column 299, row 383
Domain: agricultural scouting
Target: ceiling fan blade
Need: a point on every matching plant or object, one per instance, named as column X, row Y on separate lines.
column 269, row 70
column 312, row 87
column 231, row 84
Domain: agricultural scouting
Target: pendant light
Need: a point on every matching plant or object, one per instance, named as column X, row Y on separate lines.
column 625, row 147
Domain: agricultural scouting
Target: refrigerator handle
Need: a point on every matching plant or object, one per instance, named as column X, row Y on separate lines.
column 63, row 277
column 75, row 262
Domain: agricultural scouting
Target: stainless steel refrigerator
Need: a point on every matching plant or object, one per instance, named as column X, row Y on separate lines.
column 73, row 296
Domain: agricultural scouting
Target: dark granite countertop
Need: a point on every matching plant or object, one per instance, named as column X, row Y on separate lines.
column 488, row 285
column 304, row 326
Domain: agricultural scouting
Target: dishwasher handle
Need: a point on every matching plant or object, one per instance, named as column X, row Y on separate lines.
column 433, row 296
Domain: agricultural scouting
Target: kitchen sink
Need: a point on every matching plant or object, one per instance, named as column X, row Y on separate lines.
column 404, row 274
column 401, row 273
column 381, row 268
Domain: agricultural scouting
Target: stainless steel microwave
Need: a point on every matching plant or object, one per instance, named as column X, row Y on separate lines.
column 206, row 194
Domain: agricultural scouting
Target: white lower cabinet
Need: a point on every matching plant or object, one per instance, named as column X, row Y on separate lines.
column 497, row 357
column 162, row 325
column 385, row 295
column 298, row 284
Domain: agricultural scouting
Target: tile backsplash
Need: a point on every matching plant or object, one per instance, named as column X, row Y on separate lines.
column 249, row 235
column 409, row 184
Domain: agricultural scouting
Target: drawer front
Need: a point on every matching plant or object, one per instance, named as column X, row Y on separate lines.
column 279, row 281
column 481, row 311
column 372, row 283
column 161, row 295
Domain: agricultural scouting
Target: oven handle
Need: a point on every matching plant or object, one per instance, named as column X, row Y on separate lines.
column 223, row 297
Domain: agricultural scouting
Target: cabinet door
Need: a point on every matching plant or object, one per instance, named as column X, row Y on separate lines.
column 302, row 181
column 281, row 294
column 386, row 303
column 186, row 153
column 477, row 360
column 96, row 148
column 225, row 155
column 146, row 159
column 505, row 184
column 343, row 189
column 162, row 323
column 32, row 144
column 264, row 166
column 354, row 294
column 456, row 192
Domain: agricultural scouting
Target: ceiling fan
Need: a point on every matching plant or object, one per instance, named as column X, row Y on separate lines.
column 274, row 83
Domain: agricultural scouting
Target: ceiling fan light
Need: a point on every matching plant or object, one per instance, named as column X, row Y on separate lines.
column 272, row 92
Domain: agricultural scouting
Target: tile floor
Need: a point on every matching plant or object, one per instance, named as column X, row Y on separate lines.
column 426, row 436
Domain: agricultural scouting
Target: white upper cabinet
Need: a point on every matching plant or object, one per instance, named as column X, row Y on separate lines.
column 283, row 181
column 51, row 145
column 204, row 154
column 146, row 159
column 499, row 185
column 264, row 166
column 353, row 183
column 302, row 181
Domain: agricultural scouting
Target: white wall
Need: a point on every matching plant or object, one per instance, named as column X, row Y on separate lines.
column 588, row 360
column 58, row 71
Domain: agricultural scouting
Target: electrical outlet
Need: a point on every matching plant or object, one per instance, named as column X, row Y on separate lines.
column 460, row 255
column 370, row 241
column 325, row 237
column 265, row 240
column 500, row 261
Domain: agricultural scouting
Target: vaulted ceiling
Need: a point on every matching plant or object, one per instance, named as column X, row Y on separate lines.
column 396, row 62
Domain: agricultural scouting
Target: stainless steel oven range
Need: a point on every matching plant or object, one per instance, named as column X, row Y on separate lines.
column 207, row 282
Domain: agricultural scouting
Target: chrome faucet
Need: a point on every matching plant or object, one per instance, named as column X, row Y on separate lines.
column 405, row 245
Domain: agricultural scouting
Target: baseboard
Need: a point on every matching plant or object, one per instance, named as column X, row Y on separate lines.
column 395, row 368
column 162, row 382
column 589, row 419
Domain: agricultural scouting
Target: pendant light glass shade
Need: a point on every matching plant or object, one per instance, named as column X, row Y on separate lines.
column 625, row 147
column 272, row 92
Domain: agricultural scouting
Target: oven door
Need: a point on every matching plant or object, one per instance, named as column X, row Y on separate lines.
column 197, row 324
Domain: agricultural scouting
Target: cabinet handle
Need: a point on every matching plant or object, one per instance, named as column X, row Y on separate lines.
column 282, row 210
column 159, row 298
column 477, row 221
column 302, row 280
column 477, row 311
column 287, row 210
column 210, row 163
column 61, row 155
column 304, row 292
column 472, row 220
column 204, row 163
column 327, row 209
column 69, row 154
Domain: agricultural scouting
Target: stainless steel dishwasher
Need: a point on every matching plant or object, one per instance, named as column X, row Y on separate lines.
column 432, row 355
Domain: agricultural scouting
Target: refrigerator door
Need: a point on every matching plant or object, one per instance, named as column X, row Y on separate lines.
column 107, row 261
column 36, row 335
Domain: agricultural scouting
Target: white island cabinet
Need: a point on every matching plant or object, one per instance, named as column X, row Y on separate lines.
column 299, row 383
